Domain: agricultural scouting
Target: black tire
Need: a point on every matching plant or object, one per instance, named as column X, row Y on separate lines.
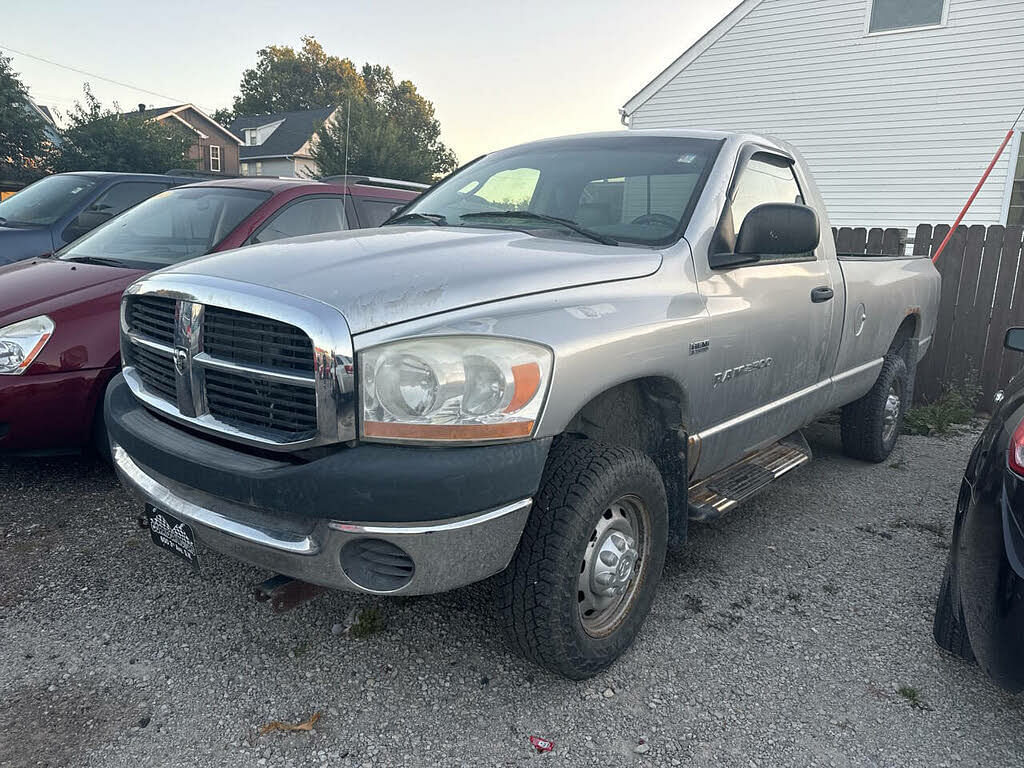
column 538, row 593
column 865, row 433
column 949, row 629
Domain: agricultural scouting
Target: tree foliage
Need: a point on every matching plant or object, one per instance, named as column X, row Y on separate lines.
column 23, row 143
column 392, row 128
column 286, row 80
column 101, row 138
column 392, row 132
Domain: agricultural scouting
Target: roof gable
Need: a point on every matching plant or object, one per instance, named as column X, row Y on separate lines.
column 712, row 36
column 296, row 129
column 181, row 113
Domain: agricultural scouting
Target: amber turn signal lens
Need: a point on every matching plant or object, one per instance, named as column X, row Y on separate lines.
column 452, row 432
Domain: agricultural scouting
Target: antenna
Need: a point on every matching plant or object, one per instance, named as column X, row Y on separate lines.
column 348, row 119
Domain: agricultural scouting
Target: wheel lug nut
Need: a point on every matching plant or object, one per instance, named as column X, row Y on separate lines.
column 609, row 558
column 619, row 542
column 604, row 579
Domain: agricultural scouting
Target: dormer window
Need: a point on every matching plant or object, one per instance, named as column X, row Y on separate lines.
column 251, row 138
column 905, row 15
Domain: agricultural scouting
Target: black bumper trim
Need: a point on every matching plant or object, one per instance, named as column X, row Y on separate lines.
column 366, row 483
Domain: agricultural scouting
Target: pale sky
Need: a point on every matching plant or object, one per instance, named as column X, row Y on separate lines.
column 497, row 73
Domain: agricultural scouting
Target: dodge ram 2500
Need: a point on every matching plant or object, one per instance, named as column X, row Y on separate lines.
column 540, row 370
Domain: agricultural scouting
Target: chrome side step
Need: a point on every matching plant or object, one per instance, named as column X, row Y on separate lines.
column 714, row 496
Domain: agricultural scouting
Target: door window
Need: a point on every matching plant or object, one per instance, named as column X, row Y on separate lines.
column 308, row 216
column 117, row 199
column 764, row 180
column 373, row 213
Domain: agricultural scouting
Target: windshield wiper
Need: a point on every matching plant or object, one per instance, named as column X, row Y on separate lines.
column 434, row 218
column 96, row 260
column 567, row 223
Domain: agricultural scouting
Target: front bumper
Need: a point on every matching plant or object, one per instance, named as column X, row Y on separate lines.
column 49, row 411
column 445, row 517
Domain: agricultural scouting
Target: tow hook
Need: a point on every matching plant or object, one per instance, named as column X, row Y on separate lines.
column 285, row 593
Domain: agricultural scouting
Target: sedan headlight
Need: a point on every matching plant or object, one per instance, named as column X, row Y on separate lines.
column 452, row 389
column 22, row 342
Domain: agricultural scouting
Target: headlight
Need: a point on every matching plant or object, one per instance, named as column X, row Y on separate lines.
column 452, row 389
column 22, row 342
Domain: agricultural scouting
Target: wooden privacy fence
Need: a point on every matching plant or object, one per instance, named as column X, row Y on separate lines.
column 982, row 295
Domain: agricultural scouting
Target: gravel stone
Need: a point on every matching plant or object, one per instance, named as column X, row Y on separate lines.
column 781, row 636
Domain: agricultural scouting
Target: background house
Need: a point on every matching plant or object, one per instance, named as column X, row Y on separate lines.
column 897, row 105
column 280, row 144
column 215, row 149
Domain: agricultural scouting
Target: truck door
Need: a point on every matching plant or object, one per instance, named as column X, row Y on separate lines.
column 770, row 326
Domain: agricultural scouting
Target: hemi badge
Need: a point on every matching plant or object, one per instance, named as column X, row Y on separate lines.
column 696, row 347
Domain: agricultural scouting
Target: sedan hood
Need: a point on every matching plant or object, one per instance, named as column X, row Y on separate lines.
column 31, row 285
column 380, row 277
column 17, row 243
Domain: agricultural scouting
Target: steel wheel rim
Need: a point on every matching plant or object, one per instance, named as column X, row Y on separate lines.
column 613, row 566
column 891, row 413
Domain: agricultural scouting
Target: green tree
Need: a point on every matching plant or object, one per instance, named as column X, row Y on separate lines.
column 286, row 80
column 23, row 143
column 102, row 139
column 392, row 132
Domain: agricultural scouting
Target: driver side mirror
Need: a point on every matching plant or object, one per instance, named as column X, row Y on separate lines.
column 1014, row 339
column 772, row 229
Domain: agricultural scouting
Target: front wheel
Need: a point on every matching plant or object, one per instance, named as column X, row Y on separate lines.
column 583, row 578
column 871, row 426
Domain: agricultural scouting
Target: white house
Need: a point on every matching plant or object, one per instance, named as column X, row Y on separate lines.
column 280, row 144
column 897, row 105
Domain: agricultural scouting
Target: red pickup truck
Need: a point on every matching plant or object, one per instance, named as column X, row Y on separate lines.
column 59, row 315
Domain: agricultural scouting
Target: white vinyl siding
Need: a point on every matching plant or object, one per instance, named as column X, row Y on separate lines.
column 897, row 127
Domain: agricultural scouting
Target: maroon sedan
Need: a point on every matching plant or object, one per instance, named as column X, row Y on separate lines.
column 59, row 316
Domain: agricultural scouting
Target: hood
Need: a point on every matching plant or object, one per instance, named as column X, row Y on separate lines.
column 17, row 243
column 34, row 284
column 384, row 276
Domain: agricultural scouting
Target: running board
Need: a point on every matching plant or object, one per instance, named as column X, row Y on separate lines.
column 714, row 496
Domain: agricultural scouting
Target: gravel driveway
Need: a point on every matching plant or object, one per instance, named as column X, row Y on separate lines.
column 797, row 631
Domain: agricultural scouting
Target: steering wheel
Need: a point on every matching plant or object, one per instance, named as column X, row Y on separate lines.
column 656, row 218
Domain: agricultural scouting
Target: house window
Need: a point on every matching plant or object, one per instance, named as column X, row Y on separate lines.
column 259, row 168
column 215, row 158
column 893, row 15
column 243, row 168
column 252, row 137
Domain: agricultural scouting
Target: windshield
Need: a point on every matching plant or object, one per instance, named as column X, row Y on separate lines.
column 170, row 227
column 609, row 189
column 46, row 201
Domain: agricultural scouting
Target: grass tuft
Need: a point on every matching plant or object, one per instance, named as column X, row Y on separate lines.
column 955, row 406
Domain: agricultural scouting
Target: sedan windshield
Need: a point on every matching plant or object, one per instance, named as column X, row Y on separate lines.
column 613, row 189
column 46, row 201
column 173, row 226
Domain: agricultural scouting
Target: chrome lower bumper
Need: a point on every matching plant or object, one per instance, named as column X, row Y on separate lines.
column 445, row 554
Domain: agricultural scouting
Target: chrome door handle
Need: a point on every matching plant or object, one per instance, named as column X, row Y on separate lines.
column 822, row 293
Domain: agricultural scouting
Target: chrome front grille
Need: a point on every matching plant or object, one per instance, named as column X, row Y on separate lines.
column 280, row 379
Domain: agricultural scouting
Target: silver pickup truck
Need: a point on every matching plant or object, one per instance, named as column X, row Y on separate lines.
column 543, row 368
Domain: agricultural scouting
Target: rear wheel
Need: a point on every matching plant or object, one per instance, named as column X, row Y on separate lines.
column 582, row 581
column 871, row 426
